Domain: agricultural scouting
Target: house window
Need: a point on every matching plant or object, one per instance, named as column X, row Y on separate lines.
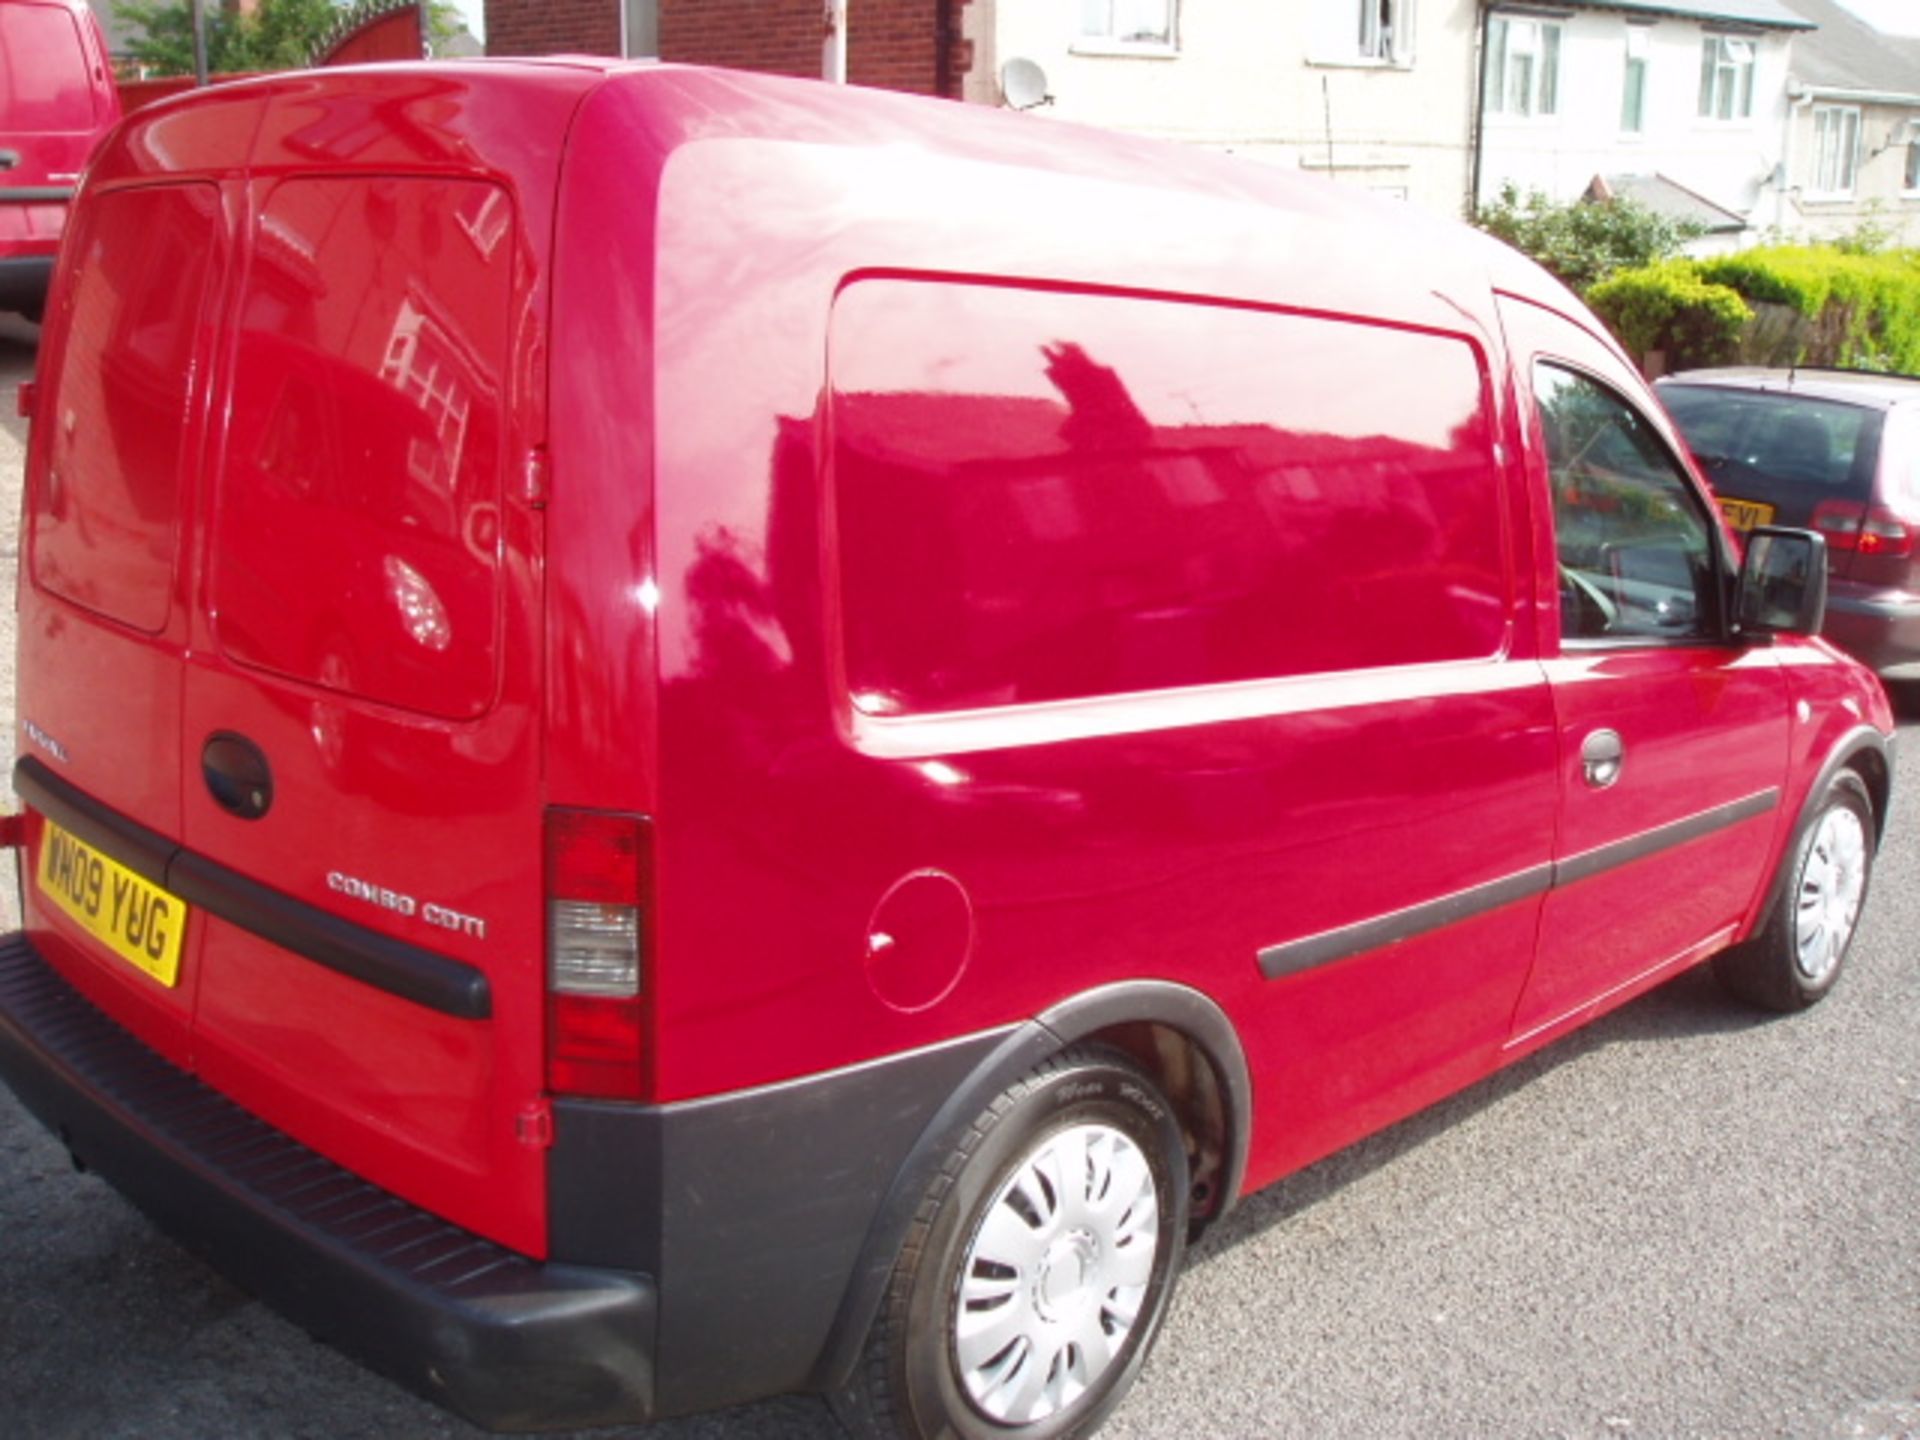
column 1146, row 24
column 1836, row 148
column 1385, row 30
column 1726, row 78
column 1523, row 66
column 640, row 27
column 1361, row 32
column 1913, row 156
column 1633, row 91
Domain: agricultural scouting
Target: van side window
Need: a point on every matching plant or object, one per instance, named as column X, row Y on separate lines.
column 1635, row 553
column 1045, row 495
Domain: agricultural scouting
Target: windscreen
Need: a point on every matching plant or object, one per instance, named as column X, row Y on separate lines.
column 1743, row 439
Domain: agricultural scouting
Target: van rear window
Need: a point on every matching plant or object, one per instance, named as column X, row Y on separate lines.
column 105, row 509
column 358, row 527
column 1042, row 495
column 44, row 85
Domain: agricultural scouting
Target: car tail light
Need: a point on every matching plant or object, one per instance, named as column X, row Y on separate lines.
column 599, row 889
column 1885, row 533
column 1840, row 522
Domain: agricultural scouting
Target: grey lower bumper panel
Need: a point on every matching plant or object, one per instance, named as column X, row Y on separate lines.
column 507, row 1342
column 23, row 281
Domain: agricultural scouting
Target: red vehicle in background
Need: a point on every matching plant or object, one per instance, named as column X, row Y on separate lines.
column 56, row 101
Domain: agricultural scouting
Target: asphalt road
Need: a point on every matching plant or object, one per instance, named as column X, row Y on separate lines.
column 1685, row 1221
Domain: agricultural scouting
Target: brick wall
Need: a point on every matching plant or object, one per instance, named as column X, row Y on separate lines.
column 893, row 44
column 553, row 27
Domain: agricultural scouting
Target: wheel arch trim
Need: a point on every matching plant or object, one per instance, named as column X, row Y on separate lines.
column 1020, row 1050
column 1862, row 741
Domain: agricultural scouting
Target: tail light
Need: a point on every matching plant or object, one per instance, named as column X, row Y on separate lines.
column 1885, row 533
column 1849, row 525
column 1839, row 521
column 599, row 893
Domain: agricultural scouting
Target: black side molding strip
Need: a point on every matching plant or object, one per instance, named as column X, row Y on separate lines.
column 36, row 194
column 1651, row 842
column 451, row 987
column 133, row 845
column 1312, row 951
column 1331, row 945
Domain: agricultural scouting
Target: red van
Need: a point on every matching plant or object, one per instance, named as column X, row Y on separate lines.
column 56, row 100
column 689, row 735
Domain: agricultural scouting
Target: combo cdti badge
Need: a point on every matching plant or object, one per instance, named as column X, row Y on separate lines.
column 690, row 735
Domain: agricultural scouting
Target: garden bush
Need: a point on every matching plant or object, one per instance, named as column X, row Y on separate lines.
column 1861, row 311
column 1668, row 307
column 1585, row 241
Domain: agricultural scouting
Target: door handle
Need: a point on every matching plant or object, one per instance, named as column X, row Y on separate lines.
column 9, row 159
column 1603, row 754
column 237, row 775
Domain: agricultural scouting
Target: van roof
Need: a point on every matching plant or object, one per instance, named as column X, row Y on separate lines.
column 689, row 104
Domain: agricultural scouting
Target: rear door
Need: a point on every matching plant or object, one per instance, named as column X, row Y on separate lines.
column 359, row 757
column 1673, row 741
column 103, row 624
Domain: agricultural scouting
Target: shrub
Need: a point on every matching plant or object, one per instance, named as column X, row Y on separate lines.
column 1861, row 310
column 1586, row 241
column 1668, row 307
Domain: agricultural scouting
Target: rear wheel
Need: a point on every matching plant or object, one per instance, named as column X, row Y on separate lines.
column 1038, row 1268
column 1796, row 957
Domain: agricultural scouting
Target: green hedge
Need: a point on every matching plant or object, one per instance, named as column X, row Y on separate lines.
column 1863, row 310
column 1860, row 311
column 1669, row 308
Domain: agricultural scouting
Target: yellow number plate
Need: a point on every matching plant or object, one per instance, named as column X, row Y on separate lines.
column 130, row 915
column 1745, row 514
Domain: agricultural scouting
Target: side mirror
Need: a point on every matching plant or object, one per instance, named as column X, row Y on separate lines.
column 1783, row 583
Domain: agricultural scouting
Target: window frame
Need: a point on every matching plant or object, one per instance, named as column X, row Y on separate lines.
column 1911, row 180
column 1719, row 63
column 1636, row 74
column 1361, row 34
column 1716, row 627
column 1541, row 100
column 1842, row 180
column 1103, row 41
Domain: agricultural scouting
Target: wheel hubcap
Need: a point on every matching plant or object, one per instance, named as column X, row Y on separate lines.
column 1833, row 881
column 1053, row 1281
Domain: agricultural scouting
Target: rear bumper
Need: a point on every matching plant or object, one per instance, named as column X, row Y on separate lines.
column 23, row 281
column 1881, row 628
column 505, row 1341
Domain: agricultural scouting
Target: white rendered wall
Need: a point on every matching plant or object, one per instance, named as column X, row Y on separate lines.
column 1730, row 162
column 1241, row 79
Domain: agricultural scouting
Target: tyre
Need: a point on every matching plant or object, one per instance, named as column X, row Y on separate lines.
column 1038, row 1267
column 1796, row 956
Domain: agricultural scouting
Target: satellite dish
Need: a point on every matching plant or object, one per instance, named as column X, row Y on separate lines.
column 1023, row 84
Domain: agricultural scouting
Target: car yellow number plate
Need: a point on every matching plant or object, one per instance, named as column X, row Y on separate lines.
column 1745, row 514
column 129, row 914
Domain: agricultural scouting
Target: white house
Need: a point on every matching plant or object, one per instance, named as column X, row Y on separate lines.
column 1681, row 104
column 1853, row 146
column 1376, row 93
